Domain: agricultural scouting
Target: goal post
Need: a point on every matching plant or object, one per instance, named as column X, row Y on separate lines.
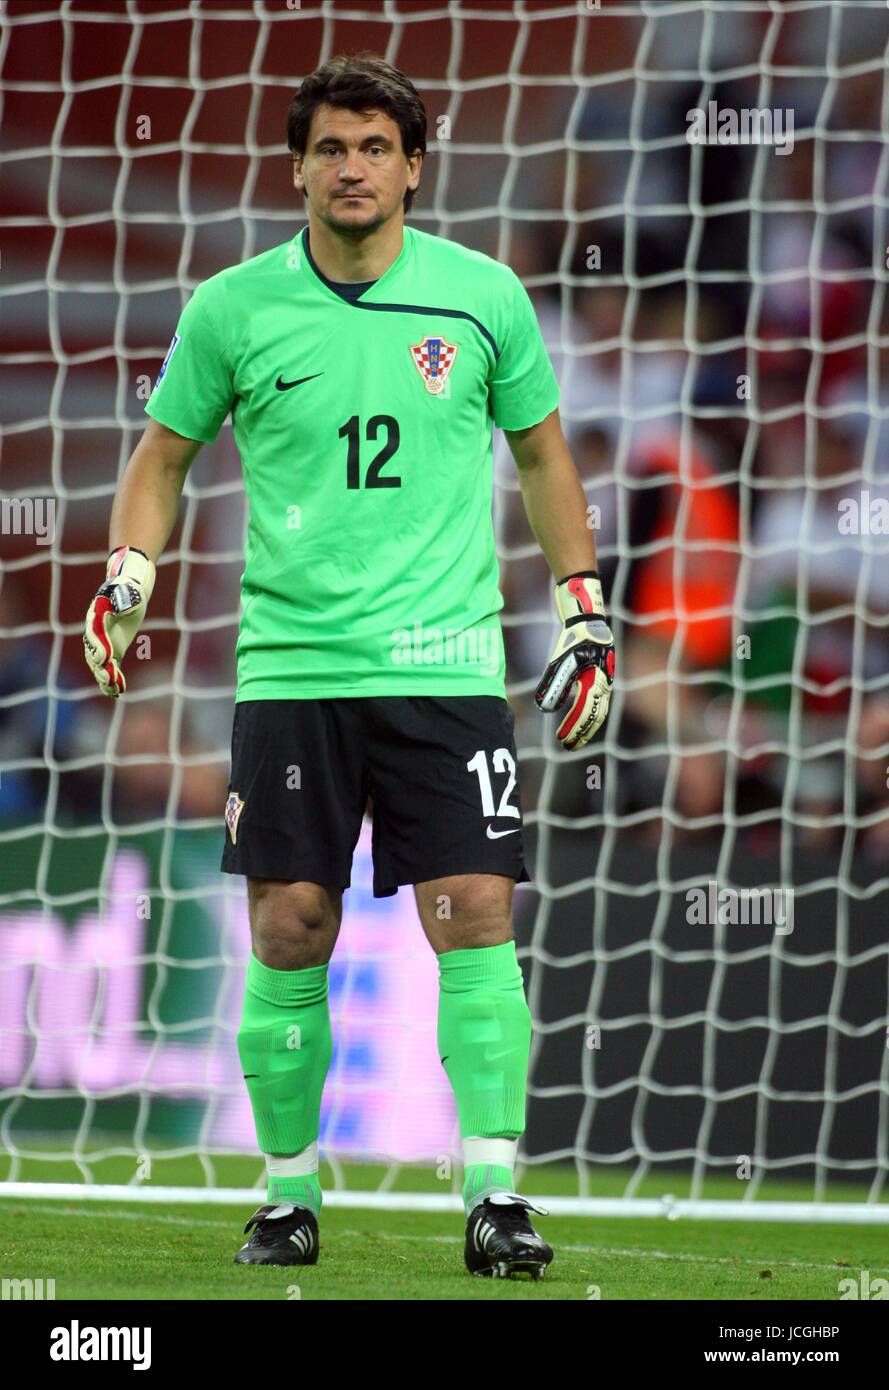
column 694, row 195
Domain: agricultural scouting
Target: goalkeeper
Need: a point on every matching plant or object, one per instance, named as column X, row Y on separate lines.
column 363, row 363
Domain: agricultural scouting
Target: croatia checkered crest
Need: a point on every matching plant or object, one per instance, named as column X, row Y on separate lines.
column 433, row 358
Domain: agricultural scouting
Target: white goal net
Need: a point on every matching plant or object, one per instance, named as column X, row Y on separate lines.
column 694, row 194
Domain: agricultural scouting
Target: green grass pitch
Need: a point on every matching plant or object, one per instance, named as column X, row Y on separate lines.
column 105, row 1250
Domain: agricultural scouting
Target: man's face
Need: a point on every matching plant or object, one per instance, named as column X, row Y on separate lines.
column 354, row 170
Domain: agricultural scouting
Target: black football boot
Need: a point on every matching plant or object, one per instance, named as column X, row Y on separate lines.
column 500, row 1240
column 284, row 1235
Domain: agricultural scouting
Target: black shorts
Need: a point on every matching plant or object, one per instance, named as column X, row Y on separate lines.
column 440, row 772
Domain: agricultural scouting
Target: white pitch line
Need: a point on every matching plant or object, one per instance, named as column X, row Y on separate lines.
column 688, row 1257
column 146, row 1215
column 602, row 1251
column 708, row 1259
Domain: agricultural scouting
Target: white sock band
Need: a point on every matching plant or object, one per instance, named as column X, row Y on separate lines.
column 301, row 1165
column 499, row 1151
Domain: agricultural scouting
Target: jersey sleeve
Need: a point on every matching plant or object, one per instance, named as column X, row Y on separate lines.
column 194, row 390
column 523, row 387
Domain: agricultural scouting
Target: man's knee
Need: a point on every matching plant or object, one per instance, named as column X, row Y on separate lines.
column 466, row 911
column 293, row 924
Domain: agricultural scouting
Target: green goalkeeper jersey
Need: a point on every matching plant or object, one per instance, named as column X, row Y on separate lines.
column 364, row 430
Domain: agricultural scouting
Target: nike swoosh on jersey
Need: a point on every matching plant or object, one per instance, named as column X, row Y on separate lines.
column 496, row 834
column 288, row 385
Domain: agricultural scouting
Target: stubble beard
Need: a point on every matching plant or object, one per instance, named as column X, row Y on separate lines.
column 354, row 229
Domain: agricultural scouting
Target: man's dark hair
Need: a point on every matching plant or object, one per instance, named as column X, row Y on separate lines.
column 361, row 82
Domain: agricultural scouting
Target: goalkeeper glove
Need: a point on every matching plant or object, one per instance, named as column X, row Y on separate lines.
column 583, row 658
column 115, row 616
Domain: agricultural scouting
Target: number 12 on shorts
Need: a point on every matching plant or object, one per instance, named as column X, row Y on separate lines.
column 503, row 761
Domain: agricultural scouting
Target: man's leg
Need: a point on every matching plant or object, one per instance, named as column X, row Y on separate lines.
column 484, row 1023
column 285, row 1041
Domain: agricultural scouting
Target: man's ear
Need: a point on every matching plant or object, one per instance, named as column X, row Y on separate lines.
column 298, row 178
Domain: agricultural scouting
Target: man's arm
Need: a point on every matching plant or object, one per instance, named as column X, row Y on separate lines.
column 555, row 502
column 142, row 519
column 147, row 498
column 583, row 658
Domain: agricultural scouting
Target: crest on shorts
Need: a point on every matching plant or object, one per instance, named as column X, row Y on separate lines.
column 233, row 808
column 434, row 358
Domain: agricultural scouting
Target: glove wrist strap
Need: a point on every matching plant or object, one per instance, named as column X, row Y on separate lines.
column 127, row 547
column 580, row 574
column 579, row 597
column 127, row 563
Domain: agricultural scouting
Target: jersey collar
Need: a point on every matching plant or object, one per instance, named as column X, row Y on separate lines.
column 406, row 243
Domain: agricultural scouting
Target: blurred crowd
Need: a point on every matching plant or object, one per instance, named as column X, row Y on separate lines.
column 69, row 756
column 724, row 391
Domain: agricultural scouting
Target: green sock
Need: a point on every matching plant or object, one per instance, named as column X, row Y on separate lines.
column 301, row 1191
column 285, row 1045
column 482, row 1179
column 484, row 1042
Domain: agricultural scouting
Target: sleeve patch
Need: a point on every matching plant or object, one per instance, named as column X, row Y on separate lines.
column 166, row 362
